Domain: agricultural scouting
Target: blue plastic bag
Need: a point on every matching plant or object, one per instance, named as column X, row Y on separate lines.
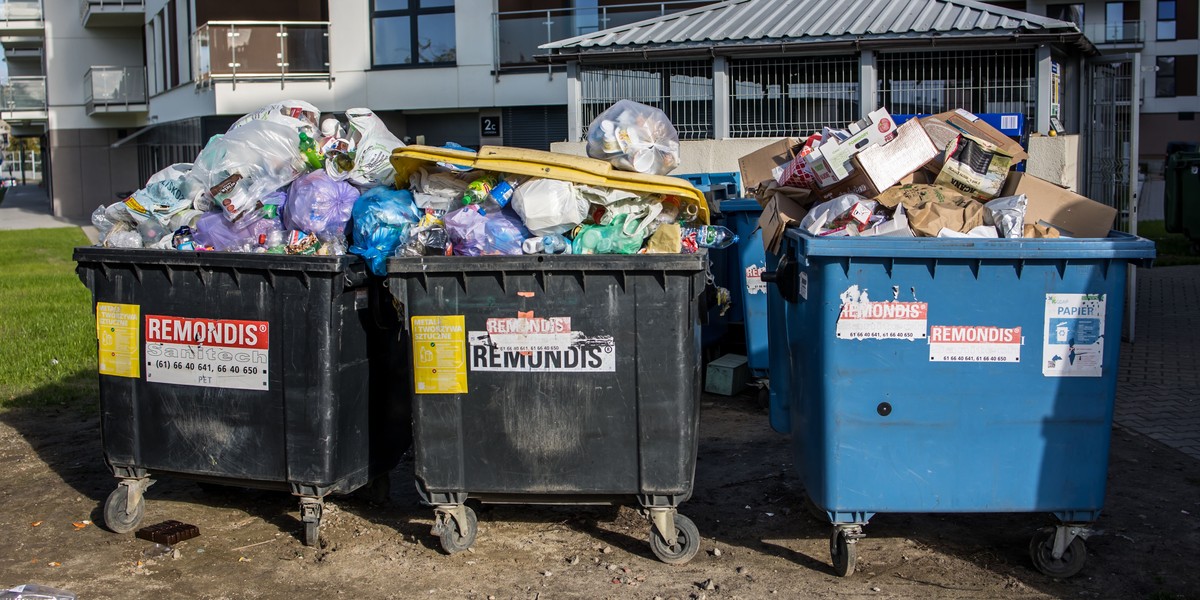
column 382, row 217
column 504, row 232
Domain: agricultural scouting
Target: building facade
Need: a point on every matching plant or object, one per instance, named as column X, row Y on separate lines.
column 118, row 89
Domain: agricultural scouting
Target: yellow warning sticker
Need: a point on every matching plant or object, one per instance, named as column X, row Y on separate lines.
column 439, row 354
column 118, row 333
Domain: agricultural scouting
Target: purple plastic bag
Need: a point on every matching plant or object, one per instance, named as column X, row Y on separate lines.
column 467, row 230
column 214, row 230
column 505, row 232
column 318, row 204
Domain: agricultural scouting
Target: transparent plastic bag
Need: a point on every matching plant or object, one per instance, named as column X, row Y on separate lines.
column 242, row 167
column 298, row 114
column 383, row 218
column 613, row 238
column 371, row 144
column 467, row 230
column 216, row 232
column 634, row 137
column 319, row 204
column 167, row 192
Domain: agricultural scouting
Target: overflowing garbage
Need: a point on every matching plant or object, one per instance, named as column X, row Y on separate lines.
column 284, row 180
column 945, row 175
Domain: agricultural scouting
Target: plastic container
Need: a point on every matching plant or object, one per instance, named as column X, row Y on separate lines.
column 250, row 370
column 1182, row 205
column 941, row 375
column 741, row 215
column 555, row 380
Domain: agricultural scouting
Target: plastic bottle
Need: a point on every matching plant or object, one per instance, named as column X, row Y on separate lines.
column 33, row 591
column 712, row 236
column 308, row 147
column 549, row 244
column 479, row 190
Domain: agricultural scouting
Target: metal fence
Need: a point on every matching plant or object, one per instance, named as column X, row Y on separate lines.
column 682, row 89
column 780, row 97
column 981, row 81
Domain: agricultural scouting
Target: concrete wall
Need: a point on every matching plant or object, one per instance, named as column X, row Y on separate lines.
column 1055, row 159
column 87, row 172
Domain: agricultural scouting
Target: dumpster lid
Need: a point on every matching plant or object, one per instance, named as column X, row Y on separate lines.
column 629, row 263
column 1116, row 245
column 152, row 259
column 536, row 163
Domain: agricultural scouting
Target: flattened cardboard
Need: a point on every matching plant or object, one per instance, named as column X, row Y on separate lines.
column 759, row 166
column 886, row 164
column 830, row 161
column 1073, row 215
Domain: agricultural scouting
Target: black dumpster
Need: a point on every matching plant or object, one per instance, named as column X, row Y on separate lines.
column 263, row 371
column 557, row 380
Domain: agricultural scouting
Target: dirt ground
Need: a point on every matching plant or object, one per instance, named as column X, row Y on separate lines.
column 758, row 539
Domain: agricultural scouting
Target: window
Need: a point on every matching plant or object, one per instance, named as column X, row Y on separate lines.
column 412, row 32
column 1175, row 76
column 1166, row 20
column 1114, row 21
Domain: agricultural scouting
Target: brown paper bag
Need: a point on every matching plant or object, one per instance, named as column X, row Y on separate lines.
column 914, row 194
column 962, row 215
column 665, row 240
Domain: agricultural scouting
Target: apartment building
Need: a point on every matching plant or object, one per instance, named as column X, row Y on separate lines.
column 121, row 88
column 1163, row 34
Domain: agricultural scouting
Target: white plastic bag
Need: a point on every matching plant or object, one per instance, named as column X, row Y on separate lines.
column 634, row 137
column 1007, row 214
column 247, row 164
column 549, row 206
column 829, row 210
column 372, row 145
column 167, row 192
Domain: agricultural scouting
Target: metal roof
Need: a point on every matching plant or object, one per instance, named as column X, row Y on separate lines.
column 748, row 24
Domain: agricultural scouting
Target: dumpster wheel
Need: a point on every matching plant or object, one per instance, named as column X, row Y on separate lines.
column 119, row 517
column 1041, row 551
column 843, row 549
column 685, row 546
column 456, row 529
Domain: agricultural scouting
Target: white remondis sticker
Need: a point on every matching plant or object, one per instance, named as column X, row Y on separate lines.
column 862, row 319
column 1074, row 330
column 754, row 282
column 221, row 353
column 535, row 344
column 973, row 343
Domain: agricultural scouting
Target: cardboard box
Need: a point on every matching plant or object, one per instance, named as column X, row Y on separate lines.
column 1073, row 215
column 760, row 165
column 779, row 212
column 975, row 167
column 886, row 164
column 830, row 162
column 942, row 128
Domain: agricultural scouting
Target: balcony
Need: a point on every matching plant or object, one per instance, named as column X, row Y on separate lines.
column 115, row 90
column 113, row 13
column 21, row 22
column 237, row 51
column 1124, row 34
column 23, row 99
column 519, row 33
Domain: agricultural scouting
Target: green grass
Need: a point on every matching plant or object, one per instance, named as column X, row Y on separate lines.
column 1173, row 248
column 47, row 332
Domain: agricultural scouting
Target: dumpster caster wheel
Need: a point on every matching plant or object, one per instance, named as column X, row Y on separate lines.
column 117, row 515
column 1041, row 550
column 843, row 551
column 763, row 400
column 682, row 548
column 456, row 536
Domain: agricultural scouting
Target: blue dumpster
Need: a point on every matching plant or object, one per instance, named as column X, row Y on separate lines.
column 951, row 375
column 741, row 215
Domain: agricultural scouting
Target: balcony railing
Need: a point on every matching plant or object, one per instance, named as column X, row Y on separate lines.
column 519, row 33
column 20, row 10
column 259, row 50
column 115, row 89
column 118, row 12
column 23, row 94
column 1122, row 32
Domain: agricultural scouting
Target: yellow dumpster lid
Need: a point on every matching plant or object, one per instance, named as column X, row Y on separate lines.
column 552, row 165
